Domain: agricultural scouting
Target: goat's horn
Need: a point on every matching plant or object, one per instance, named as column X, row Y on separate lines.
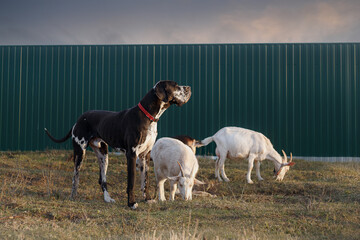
column 181, row 170
column 290, row 157
column 285, row 157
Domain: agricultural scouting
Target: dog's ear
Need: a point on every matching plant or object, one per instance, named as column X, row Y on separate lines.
column 161, row 92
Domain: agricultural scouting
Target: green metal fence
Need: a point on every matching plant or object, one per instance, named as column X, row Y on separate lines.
column 304, row 97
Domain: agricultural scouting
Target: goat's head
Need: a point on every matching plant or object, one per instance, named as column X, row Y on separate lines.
column 194, row 144
column 189, row 141
column 284, row 167
column 185, row 183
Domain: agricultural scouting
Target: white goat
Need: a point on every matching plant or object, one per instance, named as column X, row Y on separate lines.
column 175, row 161
column 240, row 143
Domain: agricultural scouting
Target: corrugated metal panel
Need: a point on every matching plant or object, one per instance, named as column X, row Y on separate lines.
column 304, row 97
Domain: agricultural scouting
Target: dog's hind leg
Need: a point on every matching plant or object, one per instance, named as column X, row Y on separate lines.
column 101, row 150
column 79, row 155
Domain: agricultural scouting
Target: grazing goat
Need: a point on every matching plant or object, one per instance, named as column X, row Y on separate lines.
column 189, row 141
column 240, row 143
column 175, row 161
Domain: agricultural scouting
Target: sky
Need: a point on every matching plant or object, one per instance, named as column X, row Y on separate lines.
column 50, row 22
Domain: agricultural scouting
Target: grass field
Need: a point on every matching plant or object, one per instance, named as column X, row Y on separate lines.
column 316, row 200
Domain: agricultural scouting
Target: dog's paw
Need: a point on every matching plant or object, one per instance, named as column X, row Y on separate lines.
column 107, row 198
column 110, row 200
column 134, row 206
column 72, row 197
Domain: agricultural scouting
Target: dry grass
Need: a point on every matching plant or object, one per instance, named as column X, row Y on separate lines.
column 315, row 201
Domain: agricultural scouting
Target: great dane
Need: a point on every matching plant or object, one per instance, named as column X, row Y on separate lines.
column 133, row 131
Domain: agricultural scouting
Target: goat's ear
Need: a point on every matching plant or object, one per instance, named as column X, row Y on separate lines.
column 290, row 164
column 198, row 182
column 176, row 179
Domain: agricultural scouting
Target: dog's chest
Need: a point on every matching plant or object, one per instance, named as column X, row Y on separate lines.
column 143, row 148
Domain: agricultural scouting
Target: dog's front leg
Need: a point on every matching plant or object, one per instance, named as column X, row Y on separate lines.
column 131, row 167
column 143, row 174
column 144, row 168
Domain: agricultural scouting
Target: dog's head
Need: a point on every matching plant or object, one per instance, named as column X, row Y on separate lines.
column 171, row 92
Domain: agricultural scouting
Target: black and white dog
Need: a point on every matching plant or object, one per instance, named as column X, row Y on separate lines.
column 133, row 131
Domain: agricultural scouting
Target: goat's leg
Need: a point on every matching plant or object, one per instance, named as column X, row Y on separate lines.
column 173, row 187
column 250, row 167
column 221, row 164
column 223, row 175
column 217, row 175
column 161, row 190
column 258, row 170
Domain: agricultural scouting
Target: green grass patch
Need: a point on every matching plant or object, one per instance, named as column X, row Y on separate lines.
column 316, row 200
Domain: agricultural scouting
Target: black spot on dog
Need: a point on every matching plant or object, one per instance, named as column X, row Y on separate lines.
column 103, row 148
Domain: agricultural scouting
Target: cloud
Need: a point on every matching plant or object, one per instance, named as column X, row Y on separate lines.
column 164, row 22
column 272, row 22
column 319, row 22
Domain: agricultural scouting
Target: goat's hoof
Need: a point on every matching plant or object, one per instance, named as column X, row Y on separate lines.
column 261, row 179
column 151, row 201
column 226, row 180
column 250, row 182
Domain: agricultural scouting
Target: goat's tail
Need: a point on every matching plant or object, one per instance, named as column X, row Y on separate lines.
column 198, row 144
column 58, row 140
column 207, row 140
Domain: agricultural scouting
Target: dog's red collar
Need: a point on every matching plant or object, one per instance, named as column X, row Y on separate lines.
column 147, row 114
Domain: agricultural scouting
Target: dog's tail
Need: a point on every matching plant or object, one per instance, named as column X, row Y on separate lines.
column 58, row 140
column 206, row 141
